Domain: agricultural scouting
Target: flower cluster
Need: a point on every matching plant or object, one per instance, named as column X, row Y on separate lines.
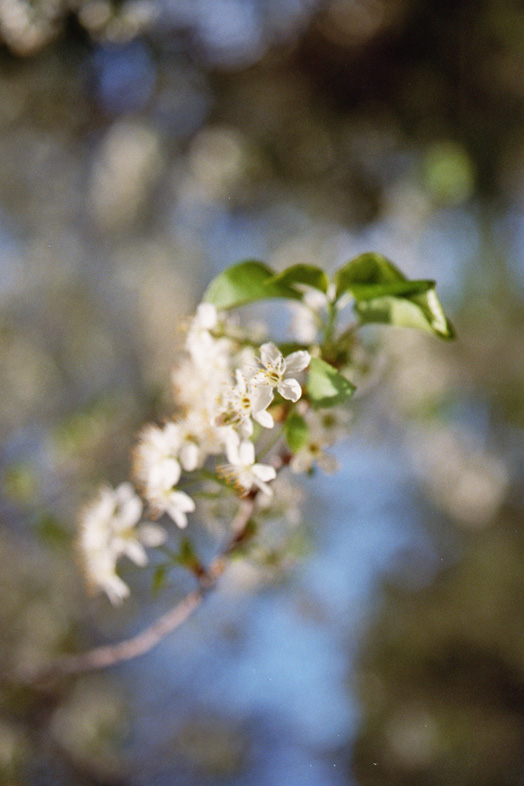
column 109, row 529
column 240, row 398
column 223, row 390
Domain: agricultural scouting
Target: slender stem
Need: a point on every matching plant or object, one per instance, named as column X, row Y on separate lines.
column 271, row 444
column 329, row 324
column 112, row 654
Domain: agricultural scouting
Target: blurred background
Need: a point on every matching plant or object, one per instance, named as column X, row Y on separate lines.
column 145, row 145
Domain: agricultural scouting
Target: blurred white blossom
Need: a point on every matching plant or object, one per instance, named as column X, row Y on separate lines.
column 108, row 530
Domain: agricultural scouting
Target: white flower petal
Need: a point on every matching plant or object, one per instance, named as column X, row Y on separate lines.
column 246, row 427
column 206, row 315
column 244, row 479
column 301, row 462
column 129, row 514
column 189, row 456
column 265, row 419
column 297, row 361
column 136, row 552
column 241, row 381
column 151, row 534
column 178, row 516
column 263, row 487
column 172, row 437
column 124, row 492
column 183, row 501
column 270, row 354
column 115, row 589
column 246, row 453
column 165, row 475
column 232, row 453
column 264, row 472
column 290, row 389
column 261, row 396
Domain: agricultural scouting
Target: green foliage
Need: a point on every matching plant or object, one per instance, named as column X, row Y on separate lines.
column 186, row 555
column 326, row 387
column 159, row 578
column 365, row 270
column 246, row 282
column 296, row 431
column 418, row 311
column 52, row 531
column 310, row 275
column 383, row 294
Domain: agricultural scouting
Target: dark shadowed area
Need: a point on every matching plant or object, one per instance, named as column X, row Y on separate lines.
column 147, row 144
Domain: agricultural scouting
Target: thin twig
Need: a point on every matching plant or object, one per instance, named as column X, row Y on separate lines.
column 143, row 642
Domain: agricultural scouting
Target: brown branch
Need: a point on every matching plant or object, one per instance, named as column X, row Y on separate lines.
column 112, row 654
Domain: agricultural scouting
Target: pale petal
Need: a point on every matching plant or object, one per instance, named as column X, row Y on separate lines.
column 165, row 475
column 136, row 552
column 315, row 299
column 270, row 354
column 246, row 453
column 290, row 389
column 232, row 450
column 129, row 514
column 331, row 291
column 183, row 501
column 206, row 315
column 103, row 507
column 263, row 487
column 115, row 589
column 172, row 437
column 178, row 516
column 301, row 461
column 151, row 534
column 261, row 396
column 124, row 492
column 246, row 427
column 189, row 456
column 241, row 381
column 264, row 471
column 265, row 419
column 245, row 479
column 297, row 361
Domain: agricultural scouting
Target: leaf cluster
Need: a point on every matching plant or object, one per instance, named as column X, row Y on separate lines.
column 379, row 291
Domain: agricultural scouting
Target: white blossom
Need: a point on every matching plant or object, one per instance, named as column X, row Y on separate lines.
column 277, row 369
column 243, row 472
column 163, row 498
column 197, row 438
column 209, row 354
column 108, row 530
column 313, row 453
column 243, row 401
column 310, row 313
column 156, row 456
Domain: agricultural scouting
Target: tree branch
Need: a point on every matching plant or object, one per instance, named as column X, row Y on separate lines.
column 143, row 642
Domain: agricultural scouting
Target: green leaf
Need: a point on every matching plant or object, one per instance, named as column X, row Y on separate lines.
column 394, row 289
column 52, row 531
column 366, row 269
column 326, row 387
column 244, row 283
column 309, row 275
column 186, row 555
column 159, row 578
column 287, row 347
column 418, row 311
column 383, row 294
column 296, row 431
